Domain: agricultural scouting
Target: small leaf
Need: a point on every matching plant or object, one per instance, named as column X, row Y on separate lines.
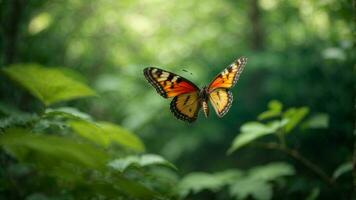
column 23, row 144
column 274, row 110
column 105, row 134
column 272, row 171
column 251, row 131
column 320, row 120
column 244, row 187
column 198, row 181
column 140, row 161
column 342, row 169
column 67, row 112
column 314, row 194
column 294, row 117
column 49, row 85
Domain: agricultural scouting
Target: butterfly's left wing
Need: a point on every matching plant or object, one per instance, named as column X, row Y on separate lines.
column 186, row 106
column 167, row 83
column 230, row 75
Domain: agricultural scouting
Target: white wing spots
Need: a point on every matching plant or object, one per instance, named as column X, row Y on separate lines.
column 175, row 78
column 161, row 79
column 164, row 75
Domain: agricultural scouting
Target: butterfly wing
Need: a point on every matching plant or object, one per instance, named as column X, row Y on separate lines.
column 230, row 75
column 221, row 100
column 186, row 106
column 167, row 83
column 220, row 96
column 186, row 102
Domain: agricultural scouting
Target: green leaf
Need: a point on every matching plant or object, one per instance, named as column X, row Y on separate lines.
column 314, row 194
column 244, row 187
column 198, row 181
column 294, row 117
column 18, row 119
column 342, row 169
column 140, row 161
column 274, row 110
column 67, row 113
column 49, row 85
column 256, row 182
column 105, row 134
column 320, row 120
column 251, row 131
column 272, row 171
column 24, row 145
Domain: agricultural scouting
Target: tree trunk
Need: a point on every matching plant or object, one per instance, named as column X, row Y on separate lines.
column 256, row 35
column 10, row 26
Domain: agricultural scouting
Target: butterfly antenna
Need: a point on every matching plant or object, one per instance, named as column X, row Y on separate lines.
column 184, row 70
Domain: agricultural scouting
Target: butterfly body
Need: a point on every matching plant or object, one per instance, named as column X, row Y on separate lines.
column 204, row 98
column 188, row 99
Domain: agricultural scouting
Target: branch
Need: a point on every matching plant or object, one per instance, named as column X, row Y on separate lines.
column 297, row 156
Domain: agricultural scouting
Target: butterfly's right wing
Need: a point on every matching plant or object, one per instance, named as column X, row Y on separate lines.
column 167, row 83
column 186, row 106
column 221, row 100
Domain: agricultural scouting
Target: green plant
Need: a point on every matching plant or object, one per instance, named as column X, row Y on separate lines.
column 279, row 124
column 82, row 158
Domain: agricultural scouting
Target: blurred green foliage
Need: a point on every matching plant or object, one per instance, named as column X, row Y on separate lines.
column 123, row 143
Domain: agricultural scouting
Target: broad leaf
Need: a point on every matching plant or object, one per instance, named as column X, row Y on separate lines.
column 67, row 113
column 23, row 145
column 49, row 85
column 140, row 161
column 257, row 181
column 320, row 120
column 198, row 181
column 274, row 110
column 18, row 119
column 272, row 171
column 105, row 134
column 245, row 187
column 294, row 117
column 251, row 131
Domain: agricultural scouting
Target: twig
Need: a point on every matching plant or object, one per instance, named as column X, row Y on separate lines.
column 296, row 155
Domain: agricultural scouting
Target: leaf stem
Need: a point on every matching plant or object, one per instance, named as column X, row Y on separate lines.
column 297, row 156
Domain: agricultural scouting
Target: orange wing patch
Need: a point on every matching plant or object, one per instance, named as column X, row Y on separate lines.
column 186, row 106
column 230, row 75
column 167, row 83
column 221, row 99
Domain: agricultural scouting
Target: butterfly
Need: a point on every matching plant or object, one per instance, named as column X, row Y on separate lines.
column 188, row 99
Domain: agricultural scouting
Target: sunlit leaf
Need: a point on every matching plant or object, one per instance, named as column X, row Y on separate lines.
column 67, row 113
column 320, row 120
column 272, row 171
column 39, row 23
column 342, row 169
column 274, row 110
column 22, row 144
column 105, row 134
column 198, row 181
column 294, row 117
column 140, row 161
column 257, row 181
column 245, row 187
column 47, row 84
column 251, row 131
